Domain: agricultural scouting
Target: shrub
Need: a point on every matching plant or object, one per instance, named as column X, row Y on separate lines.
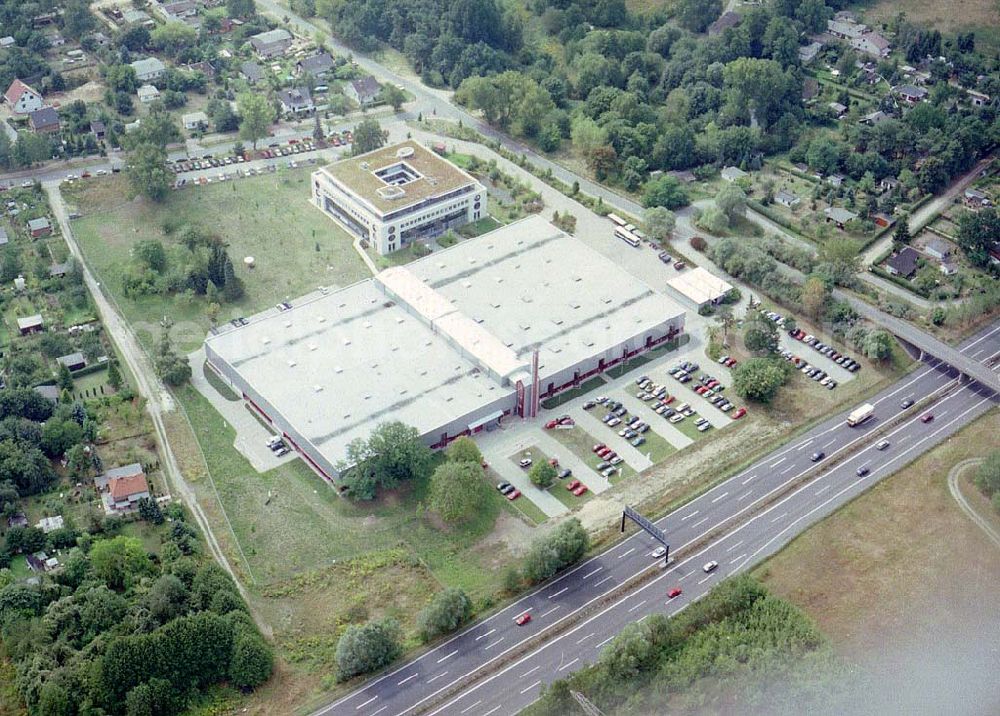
column 447, row 612
column 698, row 243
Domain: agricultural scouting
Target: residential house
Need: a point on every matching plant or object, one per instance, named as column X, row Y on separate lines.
column 252, row 72
column 48, row 524
column 177, row 11
column 904, row 263
column 317, row 65
column 73, row 361
column 948, row 268
column 787, row 199
column 148, row 93
column 195, row 121
column 835, row 179
column 49, row 392
column 938, row 249
column 18, row 519
column 810, row 89
column 149, row 69
column 7, row 41
column 100, row 39
column 977, row 99
column 204, row 67
column 872, row 44
column 874, row 118
column 44, row 121
column 727, row 20
column 732, row 174
column 363, row 91
column 133, row 18
column 98, row 129
column 807, row 53
column 273, row 43
column 888, row 184
column 975, row 199
column 59, row 270
column 121, row 488
column 55, row 38
column 22, row 99
column 839, row 216
column 883, row 219
column 910, row 94
column 845, row 29
column 39, row 227
column 838, row 109
column 40, row 562
column 684, row 176
column 30, row 324
column 995, row 256
column 296, row 101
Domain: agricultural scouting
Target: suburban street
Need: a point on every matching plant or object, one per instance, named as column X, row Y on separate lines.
column 751, row 510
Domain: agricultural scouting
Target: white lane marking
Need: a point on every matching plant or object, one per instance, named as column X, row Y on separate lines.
column 785, row 471
column 632, row 609
column 830, row 443
column 585, row 638
column 738, row 558
column 435, row 678
column 490, row 646
column 705, row 579
column 904, row 439
column 361, row 706
column 805, row 444
column 567, row 665
column 941, row 414
column 748, row 479
column 690, row 516
column 702, row 521
column 592, row 573
column 605, row 641
column 564, row 589
column 719, row 497
column 823, row 489
column 492, row 711
column 626, row 554
column 411, row 676
column 978, row 352
column 606, row 579
column 685, row 576
column 782, row 515
column 777, row 462
column 735, row 546
column 744, row 496
column 373, row 713
column 524, row 691
column 557, row 606
column 469, row 708
column 443, row 658
column 483, row 636
column 532, row 670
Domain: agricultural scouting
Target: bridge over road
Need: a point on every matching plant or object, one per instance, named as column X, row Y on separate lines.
column 927, row 343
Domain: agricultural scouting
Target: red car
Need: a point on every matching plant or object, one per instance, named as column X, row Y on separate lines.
column 604, row 452
column 572, row 485
column 551, row 424
column 523, row 619
column 581, row 488
column 731, row 362
column 675, row 592
column 554, row 461
column 927, row 418
column 513, row 494
column 700, row 389
column 597, row 448
column 668, row 400
column 740, row 412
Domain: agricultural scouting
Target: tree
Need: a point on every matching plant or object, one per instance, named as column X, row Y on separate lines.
column 447, row 611
column 393, row 453
column 542, row 474
column 456, row 490
column 901, row 235
column 841, row 257
column 815, row 297
column 148, row 173
column 392, row 96
column 150, row 253
column 659, row 223
column 240, row 8
column 252, row 662
column 256, row 115
column 556, row 550
column 77, row 20
column 368, row 136
column 760, row 334
column 731, row 200
column 114, row 375
column 697, row 15
column 65, row 379
column 167, row 598
column 464, row 449
column 156, row 697
column 173, row 37
column 317, row 129
column 367, row 648
column 877, row 345
column 120, row 561
column 664, row 191
column 758, row 379
column 977, row 230
column 149, row 510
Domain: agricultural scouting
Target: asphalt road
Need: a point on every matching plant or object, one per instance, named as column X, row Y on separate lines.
column 754, row 534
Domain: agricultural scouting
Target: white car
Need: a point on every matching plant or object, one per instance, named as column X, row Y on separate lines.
column 525, row 463
column 710, row 566
column 658, row 552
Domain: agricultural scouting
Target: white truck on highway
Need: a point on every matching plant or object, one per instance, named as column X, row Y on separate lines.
column 860, row 414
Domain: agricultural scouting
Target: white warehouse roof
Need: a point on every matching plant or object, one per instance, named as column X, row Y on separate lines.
column 700, row 286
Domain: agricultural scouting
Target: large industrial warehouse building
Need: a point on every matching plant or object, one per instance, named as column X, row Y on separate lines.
column 396, row 195
column 449, row 344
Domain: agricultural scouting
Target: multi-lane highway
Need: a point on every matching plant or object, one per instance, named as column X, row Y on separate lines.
column 759, row 510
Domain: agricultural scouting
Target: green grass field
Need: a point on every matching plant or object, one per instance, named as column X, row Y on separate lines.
column 268, row 217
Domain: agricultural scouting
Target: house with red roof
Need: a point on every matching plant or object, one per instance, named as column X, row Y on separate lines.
column 22, row 98
column 121, row 488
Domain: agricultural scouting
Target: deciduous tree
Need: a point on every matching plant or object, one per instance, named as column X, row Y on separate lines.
column 367, row 648
column 368, row 136
column 256, row 115
column 456, row 490
column 542, row 474
column 447, row 611
column 758, row 379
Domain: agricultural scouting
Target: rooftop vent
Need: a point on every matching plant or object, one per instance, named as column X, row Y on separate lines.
column 322, row 319
column 399, row 319
column 265, row 340
column 317, row 388
column 347, row 341
column 288, row 324
column 312, row 346
column 404, row 152
column 367, row 324
column 364, row 165
column 338, row 369
column 291, row 364
column 467, row 284
column 390, row 192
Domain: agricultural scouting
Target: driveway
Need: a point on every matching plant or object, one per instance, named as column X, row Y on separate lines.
column 499, row 445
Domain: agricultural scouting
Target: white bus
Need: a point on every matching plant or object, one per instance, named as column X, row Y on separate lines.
column 627, row 236
column 617, row 219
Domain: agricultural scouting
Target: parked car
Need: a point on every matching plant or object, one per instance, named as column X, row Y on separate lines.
column 572, row 485
column 513, row 494
column 580, row 489
column 740, row 412
column 524, row 462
